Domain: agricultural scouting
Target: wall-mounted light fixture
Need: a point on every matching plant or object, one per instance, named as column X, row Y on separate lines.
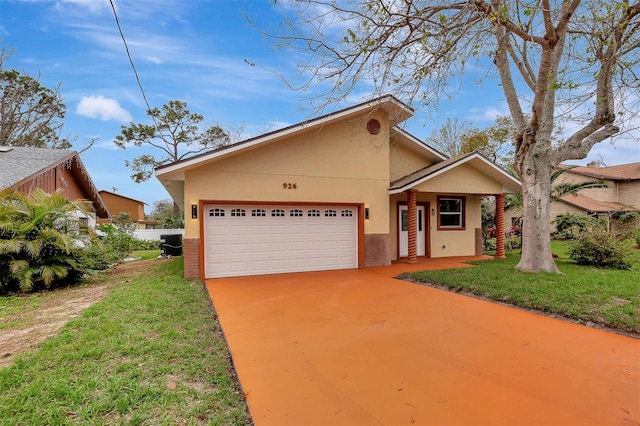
column 366, row 213
column 194, row 211
column 433, row 211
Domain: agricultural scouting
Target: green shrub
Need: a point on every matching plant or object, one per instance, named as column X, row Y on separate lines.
column 489, row 244
column 570, row 225
column 98, row 255
column 511, row 243
column 41, row 241
column 625, row 225
column 638, row 237
column 145, row 244
column 598, row 248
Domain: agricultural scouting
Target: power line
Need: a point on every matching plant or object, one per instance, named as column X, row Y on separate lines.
column 135, row 71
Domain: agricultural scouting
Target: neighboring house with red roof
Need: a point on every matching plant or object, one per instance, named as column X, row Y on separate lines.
column 23, row 169
column 622, row 194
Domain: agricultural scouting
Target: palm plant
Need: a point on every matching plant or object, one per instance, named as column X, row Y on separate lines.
column 37, row 235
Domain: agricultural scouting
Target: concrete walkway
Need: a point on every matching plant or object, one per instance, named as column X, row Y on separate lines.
column 358, row 347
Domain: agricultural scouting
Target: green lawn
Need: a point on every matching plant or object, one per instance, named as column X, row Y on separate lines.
column 607, row 297
column 145, row 254
column 150, row 352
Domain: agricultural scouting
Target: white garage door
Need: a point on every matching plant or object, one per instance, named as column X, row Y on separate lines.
column 254, row 240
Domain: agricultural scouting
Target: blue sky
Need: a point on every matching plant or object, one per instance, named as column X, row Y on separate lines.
column 203, row 52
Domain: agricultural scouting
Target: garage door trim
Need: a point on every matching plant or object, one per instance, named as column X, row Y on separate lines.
column 358, row 205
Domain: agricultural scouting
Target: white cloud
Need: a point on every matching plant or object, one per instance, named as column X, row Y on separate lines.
column 487, row 114
column 102, row 108
column 94, row 6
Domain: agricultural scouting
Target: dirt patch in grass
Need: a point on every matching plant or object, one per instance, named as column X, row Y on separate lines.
column 38, row 323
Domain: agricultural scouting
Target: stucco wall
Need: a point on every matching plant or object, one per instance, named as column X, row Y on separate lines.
column 629, row 193
column 610, row 193
column 403, row 161
column 456, row 242
column 464, row 179
column 340, row 162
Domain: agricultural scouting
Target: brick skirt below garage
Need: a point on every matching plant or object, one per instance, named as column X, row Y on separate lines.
column 192, row 258
column 376, row 247
column 377, row 250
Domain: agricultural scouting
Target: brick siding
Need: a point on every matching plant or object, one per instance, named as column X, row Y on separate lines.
column 192, row 258
column 377, row 250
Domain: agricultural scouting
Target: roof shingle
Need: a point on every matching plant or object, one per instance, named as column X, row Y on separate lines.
column 590, row 205
column 629, row 171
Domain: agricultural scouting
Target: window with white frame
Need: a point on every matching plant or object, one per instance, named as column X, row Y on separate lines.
column 451, row 212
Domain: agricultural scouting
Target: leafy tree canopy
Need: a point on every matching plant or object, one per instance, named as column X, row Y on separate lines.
column 173, row 135
column 570, row 62
column 169, row 217
column 30, row 113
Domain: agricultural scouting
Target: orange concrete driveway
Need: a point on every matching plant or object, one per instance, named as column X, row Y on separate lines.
column 358, row 347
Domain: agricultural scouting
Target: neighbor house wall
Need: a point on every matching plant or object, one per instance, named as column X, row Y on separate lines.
column 610, row 193
column 629, row 193
column 117, row 204
column 558, row 208
column 54, row 179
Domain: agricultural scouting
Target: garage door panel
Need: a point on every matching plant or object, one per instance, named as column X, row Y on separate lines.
column 314, row 238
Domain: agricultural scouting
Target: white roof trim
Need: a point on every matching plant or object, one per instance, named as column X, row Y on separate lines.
column 451, row 166
column 419, row 144
column 188, row 163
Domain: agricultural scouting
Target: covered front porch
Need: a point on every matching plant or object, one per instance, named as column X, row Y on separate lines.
column 436, row 212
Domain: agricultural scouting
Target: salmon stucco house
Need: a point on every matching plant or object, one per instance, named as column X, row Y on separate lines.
column 345, row 190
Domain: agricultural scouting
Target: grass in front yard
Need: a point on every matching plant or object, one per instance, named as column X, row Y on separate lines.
column 607, row 297
column 151, row 352
column 145, row 254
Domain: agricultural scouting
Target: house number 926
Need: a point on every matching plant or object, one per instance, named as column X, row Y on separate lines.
column 289, row 186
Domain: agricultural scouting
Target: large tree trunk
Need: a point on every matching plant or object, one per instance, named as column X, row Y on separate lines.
column 536, row 236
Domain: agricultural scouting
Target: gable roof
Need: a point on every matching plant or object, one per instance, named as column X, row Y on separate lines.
column 397, row 110
column 121, row 196
column 172, row 175
column 590, row 205
column 629, row 171
column 475, row 159
column 21, row 163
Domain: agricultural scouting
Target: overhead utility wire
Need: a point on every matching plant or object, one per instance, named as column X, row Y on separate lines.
column 135, row 71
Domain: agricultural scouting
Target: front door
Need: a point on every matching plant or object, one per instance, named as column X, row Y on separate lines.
column 403, row 226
